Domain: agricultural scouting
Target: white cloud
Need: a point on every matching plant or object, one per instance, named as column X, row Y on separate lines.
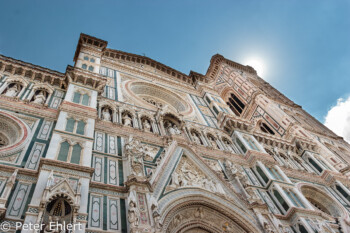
column 338, row 118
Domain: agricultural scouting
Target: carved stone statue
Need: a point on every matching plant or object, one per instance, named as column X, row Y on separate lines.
column 212, row 142
column 134, row 214
column 106, row 116
column 229, row 146
column 40, row 98
column 188, row 175
column 155, row 214
column 173, row 129
column 13, row 91
column 135, row 151
column 146, row 125
column 50, row 180
column 230, row 168
column 127, row 120
column 199, row 213
column 176, row 130
column 196, row 138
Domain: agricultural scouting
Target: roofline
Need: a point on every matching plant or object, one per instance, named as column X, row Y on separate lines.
column 84, row 38
column 217, row 59
column 23, row 63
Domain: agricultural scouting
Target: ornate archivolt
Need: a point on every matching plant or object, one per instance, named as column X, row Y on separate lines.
column 155, row 97
column 189, row 209
column 323, row 201
column 191, row 218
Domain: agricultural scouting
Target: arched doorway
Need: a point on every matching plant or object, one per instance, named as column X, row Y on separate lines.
column 199, row 211
column 58, row 212
column 198, row 218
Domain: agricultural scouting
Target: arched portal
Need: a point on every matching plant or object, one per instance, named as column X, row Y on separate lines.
column 58, row 212
column 193, row 210
column 322, row 201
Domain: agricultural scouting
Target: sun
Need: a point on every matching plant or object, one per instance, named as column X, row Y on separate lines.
column 257, row 64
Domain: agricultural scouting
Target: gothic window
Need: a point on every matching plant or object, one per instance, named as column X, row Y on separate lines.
column 70, row 125
column 64, row 150
column 91, row 68
column 262, row 174
column 208, row 100
column 76, row 97
column 251, row 143
column 294, row 198
column 281, row 201
column 84, row 66
column 85, row 100
column 266, row 129
column 86, row 58
column 302, row 229
column 274, row 173
column 343, row 192
column 76, row 153
column 240, row 145
column 215, row 110
column 75, row 126
column 92, row 60
column 81, row 99
column 81, row 127
column 315, row 165
column 69, row 153
column 236, row 104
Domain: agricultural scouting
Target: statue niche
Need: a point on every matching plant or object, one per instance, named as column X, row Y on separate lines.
column 106, row 114
column 213, row 142
column 39, row 97
column 228, row 145
column 13, row 89
column 171, row 127
column 146, row 124
column 196, row 137
column 127, row 119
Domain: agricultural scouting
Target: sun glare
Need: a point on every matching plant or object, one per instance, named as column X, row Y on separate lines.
column 257, row 64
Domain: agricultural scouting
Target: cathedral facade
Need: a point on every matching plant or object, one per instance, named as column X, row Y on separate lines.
column 122, row 143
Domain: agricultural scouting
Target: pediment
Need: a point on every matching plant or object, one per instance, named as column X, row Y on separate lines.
column 63, row 187
column 188, row 175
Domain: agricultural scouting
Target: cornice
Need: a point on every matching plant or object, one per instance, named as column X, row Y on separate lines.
column 22, row 171
column 9, row 60
column 14, row 104
column 61, row 164
column 78, row 109
column 218, row 59
column 109, row 187
column 86, row 78
column 89, row 41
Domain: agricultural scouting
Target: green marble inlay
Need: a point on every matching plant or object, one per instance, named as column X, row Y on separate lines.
column 123, row 215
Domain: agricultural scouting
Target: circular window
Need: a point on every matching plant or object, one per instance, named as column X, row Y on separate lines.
column 13, row 134
column 156, row 96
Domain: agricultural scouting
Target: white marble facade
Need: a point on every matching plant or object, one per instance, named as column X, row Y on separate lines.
column 122, row 143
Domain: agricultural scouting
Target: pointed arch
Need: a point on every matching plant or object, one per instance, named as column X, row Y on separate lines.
column 174, row 206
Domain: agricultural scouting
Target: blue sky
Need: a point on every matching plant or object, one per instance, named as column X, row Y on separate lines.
column 305, row 45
